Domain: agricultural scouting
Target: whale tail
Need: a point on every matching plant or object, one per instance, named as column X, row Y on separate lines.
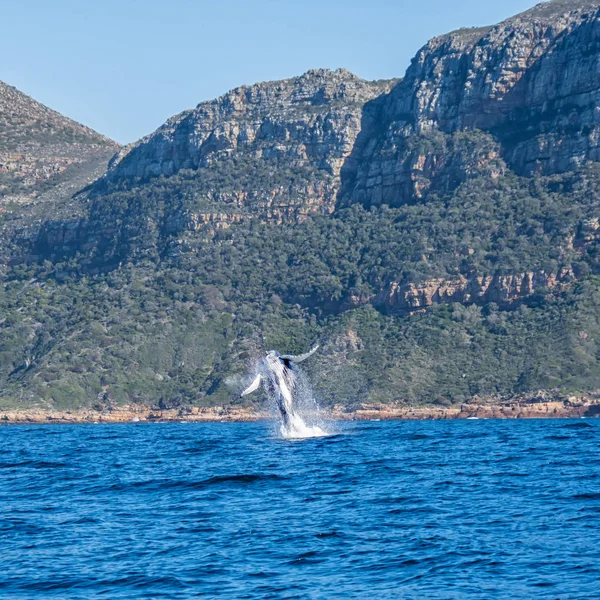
column 301, row 357
column 252, row 387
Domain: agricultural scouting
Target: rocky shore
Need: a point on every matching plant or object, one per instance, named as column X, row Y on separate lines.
column 514, row 408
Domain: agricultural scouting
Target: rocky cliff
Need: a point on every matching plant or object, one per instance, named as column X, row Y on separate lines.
column 39, row 148
column 530, row 83
column 272, row 152
column 519, row 98
column 503, row 290
column 305, row 128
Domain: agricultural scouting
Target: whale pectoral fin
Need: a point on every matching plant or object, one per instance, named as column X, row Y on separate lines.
column 301, row 357
column 253, row 386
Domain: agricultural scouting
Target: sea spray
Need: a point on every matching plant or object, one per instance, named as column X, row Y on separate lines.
column 307, row 408
column 304, row 419
column 290, row 394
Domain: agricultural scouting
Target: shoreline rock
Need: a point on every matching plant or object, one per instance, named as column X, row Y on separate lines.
column 532, row 408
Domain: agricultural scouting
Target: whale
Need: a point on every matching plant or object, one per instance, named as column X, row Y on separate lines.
column 276, row 372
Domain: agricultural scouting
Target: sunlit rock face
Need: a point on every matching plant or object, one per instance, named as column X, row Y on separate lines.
column 273, row 152
column 522, row 94
column 304, row 128
column 45, row 158
column 521, row 97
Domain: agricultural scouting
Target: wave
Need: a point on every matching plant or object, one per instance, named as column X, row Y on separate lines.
column 33, row 464
column 158, row 485
column 587, row 496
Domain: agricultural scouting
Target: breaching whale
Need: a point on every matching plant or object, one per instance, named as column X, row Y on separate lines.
column 277, row 373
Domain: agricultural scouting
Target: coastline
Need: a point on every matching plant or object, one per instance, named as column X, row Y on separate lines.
column 531, row 408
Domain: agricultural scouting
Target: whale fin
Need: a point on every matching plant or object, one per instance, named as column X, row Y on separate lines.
column 301, row 357
column 253, row 386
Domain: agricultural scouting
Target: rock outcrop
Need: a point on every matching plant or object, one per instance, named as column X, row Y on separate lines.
column 543, row 406
column 293, row 137
column 503, row 290
column 524, row 93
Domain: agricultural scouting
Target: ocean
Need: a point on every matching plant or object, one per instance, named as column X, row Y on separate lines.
column 431, row 509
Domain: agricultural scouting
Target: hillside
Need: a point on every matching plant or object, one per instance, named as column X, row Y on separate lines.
column 271, row 153
column 438, row 234
column 528, row 84
column 44, row 159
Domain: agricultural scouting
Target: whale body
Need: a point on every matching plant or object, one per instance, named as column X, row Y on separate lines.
column 277, row 373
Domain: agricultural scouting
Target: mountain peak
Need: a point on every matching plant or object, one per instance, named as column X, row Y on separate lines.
column 19, row 111
column 554, row 8
column 544, row 12
column 44, row 158
column 267, row 120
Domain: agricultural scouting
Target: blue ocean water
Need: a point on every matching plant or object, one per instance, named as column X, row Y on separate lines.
column 469, row 509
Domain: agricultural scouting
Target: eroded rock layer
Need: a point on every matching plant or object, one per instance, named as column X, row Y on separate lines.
column 306, row 126
column 530, row 83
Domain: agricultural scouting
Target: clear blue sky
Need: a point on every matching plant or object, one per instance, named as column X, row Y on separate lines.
column 124, row 66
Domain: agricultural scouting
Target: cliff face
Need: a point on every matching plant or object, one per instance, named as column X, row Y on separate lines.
column 530, row 83
column 521, row 96
column 272, row 152
column 305, row 128
column 503, row 290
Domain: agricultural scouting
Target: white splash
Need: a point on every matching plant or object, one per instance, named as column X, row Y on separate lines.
column 306, row 420
column 290, row 394
column 297, row 429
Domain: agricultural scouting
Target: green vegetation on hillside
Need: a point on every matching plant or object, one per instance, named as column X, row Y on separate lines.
column 180, row 316
column 486, row 227
column 164, row 338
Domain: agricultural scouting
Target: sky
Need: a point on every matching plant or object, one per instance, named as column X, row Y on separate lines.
column 123, row 67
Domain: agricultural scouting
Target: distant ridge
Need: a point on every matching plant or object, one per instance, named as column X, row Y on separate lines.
column 552, row 8
column 40, row 148
column 45, row 158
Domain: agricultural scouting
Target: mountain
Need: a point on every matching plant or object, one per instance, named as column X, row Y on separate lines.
column 272, row 152
column 439, row 234
column 528, row 85
column 44, row 159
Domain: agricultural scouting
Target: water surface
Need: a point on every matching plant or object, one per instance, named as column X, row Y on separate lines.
column 469, row 509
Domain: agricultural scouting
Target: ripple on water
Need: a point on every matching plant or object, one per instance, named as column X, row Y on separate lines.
column 578, row 425
column 388, row 509
column 32, row 464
